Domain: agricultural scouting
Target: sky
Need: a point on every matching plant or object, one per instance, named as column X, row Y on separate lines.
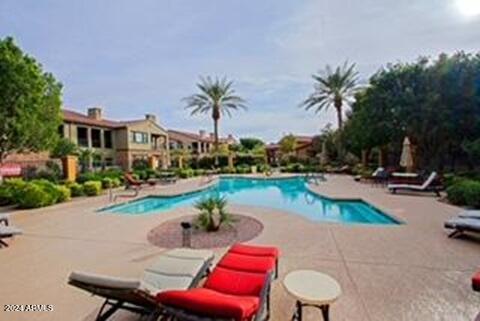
column 144, row 56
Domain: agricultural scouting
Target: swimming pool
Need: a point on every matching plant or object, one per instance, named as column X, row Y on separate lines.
column 290, row 195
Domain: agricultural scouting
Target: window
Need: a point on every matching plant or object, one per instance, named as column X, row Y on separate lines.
column 96, row 140
column 139, row 137
column 107, row 135
column 108, row 161
column 82, row 136
column 60, row 131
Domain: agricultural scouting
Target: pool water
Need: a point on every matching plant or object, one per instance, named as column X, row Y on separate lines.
column 289, row 195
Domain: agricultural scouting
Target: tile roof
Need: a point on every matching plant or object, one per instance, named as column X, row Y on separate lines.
column 75, row 117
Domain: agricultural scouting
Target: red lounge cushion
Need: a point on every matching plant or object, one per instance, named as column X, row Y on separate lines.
column 210, row 303
column 476, row 282
column 247, row 263
column 255, row 250
column 235, row 282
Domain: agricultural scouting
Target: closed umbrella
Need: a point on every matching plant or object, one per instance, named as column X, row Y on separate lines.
column 406, row 160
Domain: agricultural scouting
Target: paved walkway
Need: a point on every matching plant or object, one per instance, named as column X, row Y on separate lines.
column 406, row 272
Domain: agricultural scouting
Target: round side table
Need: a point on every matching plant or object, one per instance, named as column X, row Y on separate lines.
column 312, row 289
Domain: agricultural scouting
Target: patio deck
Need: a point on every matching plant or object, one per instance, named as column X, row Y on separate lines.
column 405, row 272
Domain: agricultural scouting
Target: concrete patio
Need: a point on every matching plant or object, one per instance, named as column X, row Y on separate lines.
column 405, row 272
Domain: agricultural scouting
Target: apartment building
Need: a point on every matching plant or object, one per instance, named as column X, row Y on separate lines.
column 198, row 145
column 117, row 143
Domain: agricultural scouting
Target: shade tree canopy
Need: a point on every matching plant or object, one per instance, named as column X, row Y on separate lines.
column 30, row 102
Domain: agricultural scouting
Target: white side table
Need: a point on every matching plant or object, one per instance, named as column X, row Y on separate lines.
column 312, row 289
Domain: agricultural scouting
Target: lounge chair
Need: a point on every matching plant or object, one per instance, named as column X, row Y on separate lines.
column 4, row 218
column 177, row 269
column 470, row 214
column 427, row 186
column 132, row 182
column 238, row 288
column 460, row 225
column 8, row 232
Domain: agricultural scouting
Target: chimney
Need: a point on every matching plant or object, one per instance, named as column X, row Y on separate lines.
column 95, row 113
column 202, row 133
column 151, row 117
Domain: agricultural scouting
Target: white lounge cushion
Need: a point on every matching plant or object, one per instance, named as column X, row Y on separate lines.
column 156, row 282
column 9, row 230
column 185, row 253
column 175, row 266
column 468, row 224
column 105, row 281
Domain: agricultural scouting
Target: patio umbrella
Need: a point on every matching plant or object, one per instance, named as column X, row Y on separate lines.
column 406, row 160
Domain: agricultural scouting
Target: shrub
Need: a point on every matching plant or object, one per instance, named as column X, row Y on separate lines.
column 199, row 172
column 116, row 182
column 294, row 168
column 10, row 190
column 53, row 194
column 243, row 169
column 91, row 176
column 34, row 196
column 64, row 193
column 464, row 192
column 107, row 182
column 75, row 189
column 185, row 173
column 92, row 188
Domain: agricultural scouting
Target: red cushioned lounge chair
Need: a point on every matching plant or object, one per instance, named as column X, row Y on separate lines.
column 132, row 182
column 257, row 251
column 227, row 295
column 476, row 287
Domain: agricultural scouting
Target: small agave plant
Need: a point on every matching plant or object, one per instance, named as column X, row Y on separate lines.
column 213, row 213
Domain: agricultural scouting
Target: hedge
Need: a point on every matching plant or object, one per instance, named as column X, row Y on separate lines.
column 92, row 188
column 76, row 189
column 464, row 192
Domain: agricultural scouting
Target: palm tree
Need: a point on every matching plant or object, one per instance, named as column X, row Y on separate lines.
column 333, row 88
column 216, row 97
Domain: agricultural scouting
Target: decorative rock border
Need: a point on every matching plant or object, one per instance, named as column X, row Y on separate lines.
column 169, row 234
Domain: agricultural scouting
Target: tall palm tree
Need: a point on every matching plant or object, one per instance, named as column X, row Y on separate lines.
column 333, row 88
column 216, row 97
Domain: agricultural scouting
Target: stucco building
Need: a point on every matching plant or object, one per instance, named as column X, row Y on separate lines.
column 198, row 145
column 117, row 143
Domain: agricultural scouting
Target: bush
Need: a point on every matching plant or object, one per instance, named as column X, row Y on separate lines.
column 464, row 192
column 107, row 182
column 53, row 194
column 227, row 170
column 10, row 190
column 185, row 173
column 75, row 189
column 116, row 182
column 243, row 169
column 90, row 176
column 34, row 196
column 294, row 168
column 198, row 172
column 64, row 193
column 92, row 188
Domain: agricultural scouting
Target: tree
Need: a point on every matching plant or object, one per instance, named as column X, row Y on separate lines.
column 333, row 88
column 216, row 97
column 288, row 144
column 64, row 147
column 30, row 103
column 250, row 143
column 435, row 102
